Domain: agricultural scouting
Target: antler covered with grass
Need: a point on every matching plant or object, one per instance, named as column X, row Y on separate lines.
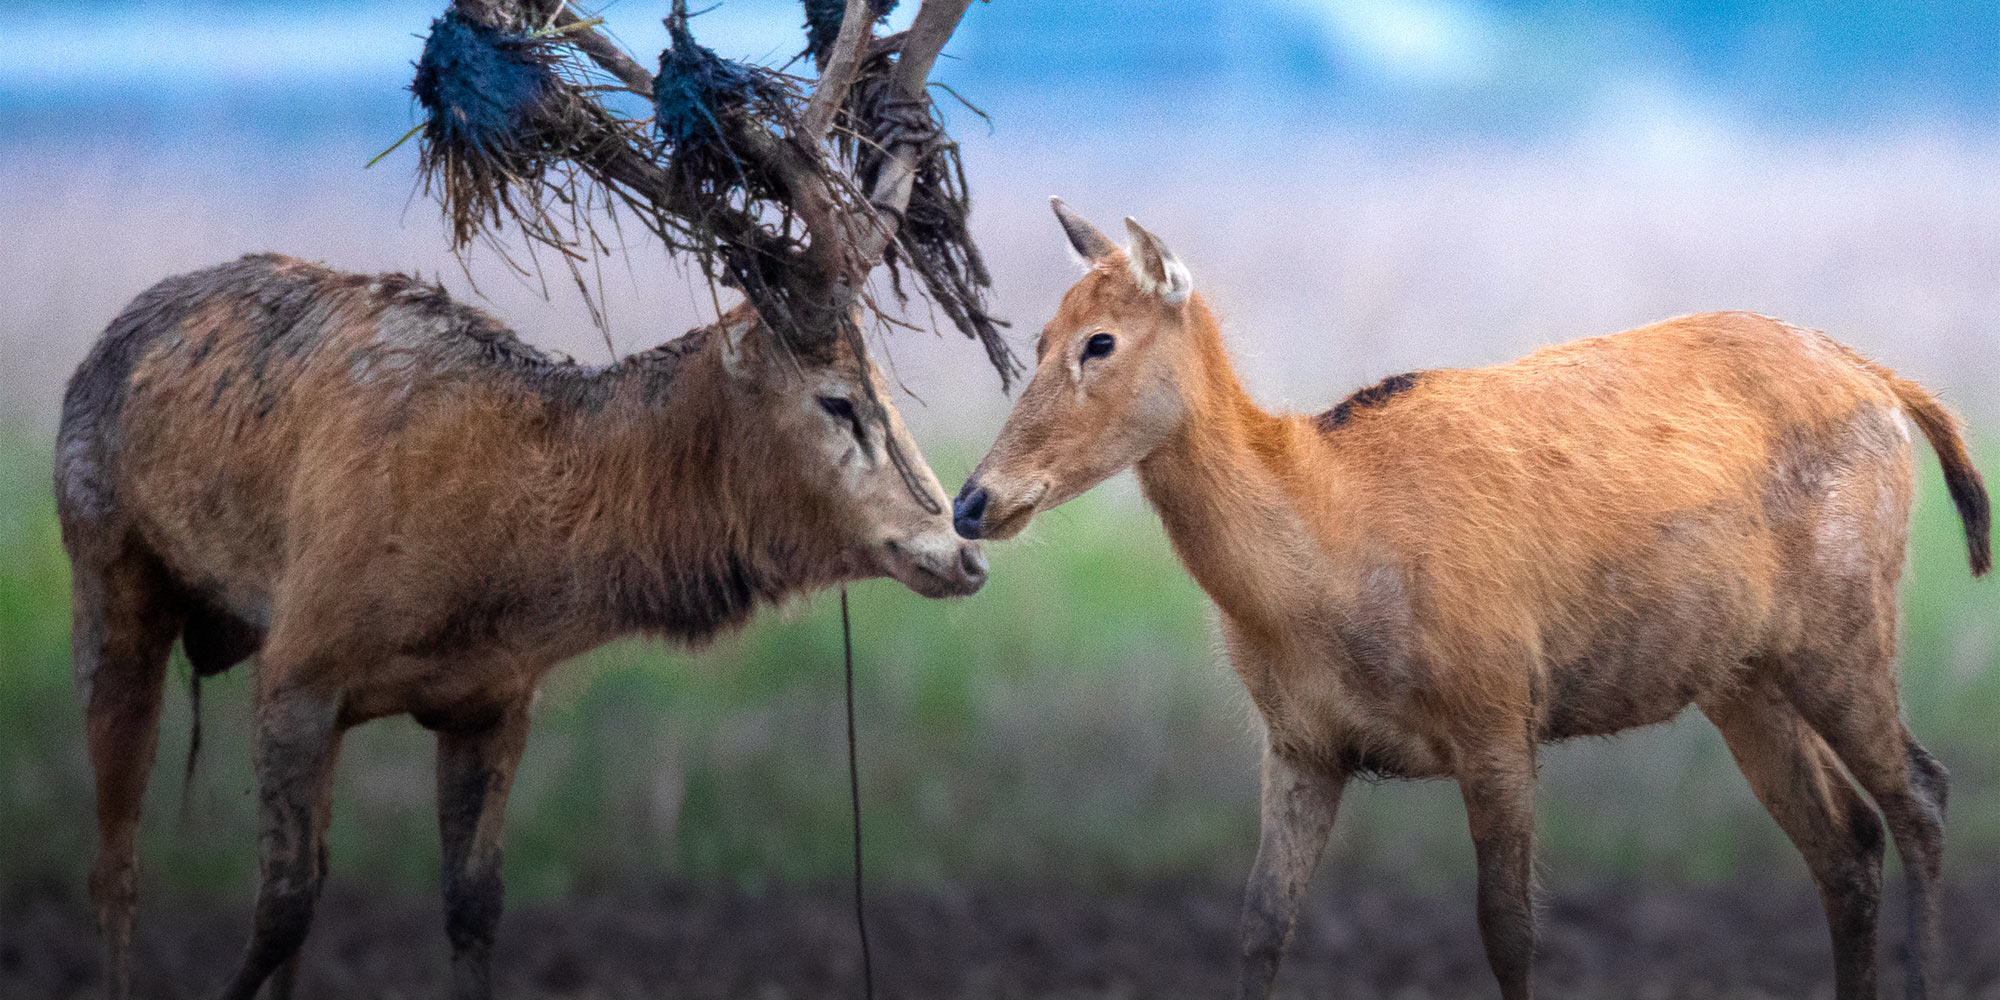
column 791, row 191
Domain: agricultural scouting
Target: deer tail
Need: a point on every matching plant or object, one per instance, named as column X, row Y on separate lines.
column 194, row 745
column 1968, row 490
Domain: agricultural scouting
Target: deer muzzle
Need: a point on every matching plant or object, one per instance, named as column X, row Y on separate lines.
column 983, row 511
column 936, row 564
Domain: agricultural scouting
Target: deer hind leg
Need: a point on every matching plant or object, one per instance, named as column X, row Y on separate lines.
column 475, row 768
column 122, row 630
column 1498, row 784
column 298, row 741
column 1860, row 718
column 1797, row 778
column 1298, row 811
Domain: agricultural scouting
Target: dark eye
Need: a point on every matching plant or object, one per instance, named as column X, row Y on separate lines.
column 841, row 408
column 1099, row 345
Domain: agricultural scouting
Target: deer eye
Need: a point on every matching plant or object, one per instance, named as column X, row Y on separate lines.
column 1099, row 345
column 841, row 408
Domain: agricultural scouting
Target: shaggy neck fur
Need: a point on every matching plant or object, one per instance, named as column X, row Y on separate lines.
column 666, row 499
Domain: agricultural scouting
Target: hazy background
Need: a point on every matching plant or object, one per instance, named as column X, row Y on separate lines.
column 1359, row 187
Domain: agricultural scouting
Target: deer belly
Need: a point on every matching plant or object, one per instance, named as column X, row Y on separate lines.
column 1650, row 665
column 446, row 692
column 1315, row 707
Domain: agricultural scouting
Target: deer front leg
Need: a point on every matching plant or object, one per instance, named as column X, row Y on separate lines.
column 298, row 740
column 475, row 768
column 1499, row 789
column 1298, row 811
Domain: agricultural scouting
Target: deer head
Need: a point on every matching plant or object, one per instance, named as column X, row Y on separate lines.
column 823, row 450
column 790, row 195
column 1112, row 382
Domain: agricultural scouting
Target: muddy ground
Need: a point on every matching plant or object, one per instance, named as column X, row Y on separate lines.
column 678, row 941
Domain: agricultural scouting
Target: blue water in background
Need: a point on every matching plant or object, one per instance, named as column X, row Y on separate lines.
column 1394, row 71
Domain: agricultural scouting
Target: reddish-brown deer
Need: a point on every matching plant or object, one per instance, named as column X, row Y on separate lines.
column 1453, row 567
column 398, row 507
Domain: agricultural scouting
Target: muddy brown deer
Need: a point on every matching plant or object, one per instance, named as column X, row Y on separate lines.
column 1453, row 567
column 396, row 506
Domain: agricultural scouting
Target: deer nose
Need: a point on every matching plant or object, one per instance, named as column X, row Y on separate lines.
column 968, row 509
column 973, row 563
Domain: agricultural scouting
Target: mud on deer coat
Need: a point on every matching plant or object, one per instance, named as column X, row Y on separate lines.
column 398, row 507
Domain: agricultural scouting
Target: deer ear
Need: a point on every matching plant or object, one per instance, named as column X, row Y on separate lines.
column 1089, row 244
column 742, row 346
column 1155, row 267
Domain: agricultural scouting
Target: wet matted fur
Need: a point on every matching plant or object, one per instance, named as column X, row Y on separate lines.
column 399, row 507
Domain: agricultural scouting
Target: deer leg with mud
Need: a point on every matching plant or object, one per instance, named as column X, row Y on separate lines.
column 1299, row 805
column 298, row 741
column 475, row 769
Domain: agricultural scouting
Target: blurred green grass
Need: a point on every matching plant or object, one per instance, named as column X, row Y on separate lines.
column 1074, row 722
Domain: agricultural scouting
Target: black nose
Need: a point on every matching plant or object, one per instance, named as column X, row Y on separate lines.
column 968, row 509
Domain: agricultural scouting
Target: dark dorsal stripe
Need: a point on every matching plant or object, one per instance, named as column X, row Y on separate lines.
column 1372, row 396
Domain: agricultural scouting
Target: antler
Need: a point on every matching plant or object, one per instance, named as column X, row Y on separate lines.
column 916, row 179
column 792, row 197
column 890, row 194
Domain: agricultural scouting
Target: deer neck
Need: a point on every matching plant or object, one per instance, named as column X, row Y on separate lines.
column 655, row 517
column 1224, row 485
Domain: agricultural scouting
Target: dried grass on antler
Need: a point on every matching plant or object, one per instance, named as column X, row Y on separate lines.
column 935, row 237
column 496, row 104
column 790, row 195
column 517, row 130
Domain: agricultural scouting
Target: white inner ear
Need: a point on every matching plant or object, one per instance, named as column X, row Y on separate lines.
column 1179, row 283
column 1083, row 263
column 1171, row 281
column 732, row 345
